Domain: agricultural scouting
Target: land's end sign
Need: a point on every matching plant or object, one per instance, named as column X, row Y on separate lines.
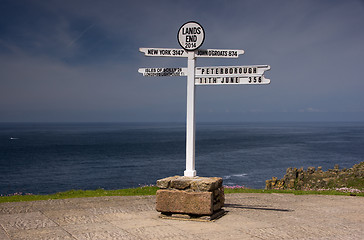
column 191, row 36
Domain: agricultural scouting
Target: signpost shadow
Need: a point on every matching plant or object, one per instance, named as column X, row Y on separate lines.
column 254, row 207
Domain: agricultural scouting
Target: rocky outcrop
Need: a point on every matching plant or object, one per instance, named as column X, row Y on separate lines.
column 314, row 179
column 190, row 195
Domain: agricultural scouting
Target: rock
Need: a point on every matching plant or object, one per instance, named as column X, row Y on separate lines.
column 217, row 206
column 192, row 183
column 206, row 184
column 310, row 170
column 300, row 176
column 165, row 182
column 311, row 179
column 268, row 184
column 175, row 201
column 190, row 195
column 181, row 182
column 291, row 183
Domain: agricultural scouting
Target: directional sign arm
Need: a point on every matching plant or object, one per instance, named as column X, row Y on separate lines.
column 219, row 53
column 163, row 52
column 163, row 72
column 252, row 80
column 205, row 53
column 232, row 71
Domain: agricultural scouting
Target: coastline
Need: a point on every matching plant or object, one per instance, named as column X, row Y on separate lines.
column 151, row 190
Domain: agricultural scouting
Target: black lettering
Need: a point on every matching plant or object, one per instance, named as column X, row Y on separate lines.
column 194, row 30
column 202, row 52
column 165, row 52
column 152, row 51
column 191, row 38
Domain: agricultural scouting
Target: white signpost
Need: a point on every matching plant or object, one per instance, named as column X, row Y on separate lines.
column 191, row 36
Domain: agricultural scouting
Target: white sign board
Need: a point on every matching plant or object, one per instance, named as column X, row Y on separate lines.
column 228, row 71
column 219, row 53
column 205, row 53
column 163, row 52
column 219, row 80
column 191, row 36
column 163, row 72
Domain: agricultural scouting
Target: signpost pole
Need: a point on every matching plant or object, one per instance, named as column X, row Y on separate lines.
column 190, row 116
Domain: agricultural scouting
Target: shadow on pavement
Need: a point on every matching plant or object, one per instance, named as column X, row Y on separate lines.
column 256, row 208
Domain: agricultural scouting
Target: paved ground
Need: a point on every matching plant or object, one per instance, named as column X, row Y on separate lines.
column 250, row 216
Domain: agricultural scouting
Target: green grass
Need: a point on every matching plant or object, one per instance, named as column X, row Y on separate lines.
column 82, row 193
column 149, row 191
column 295, row 192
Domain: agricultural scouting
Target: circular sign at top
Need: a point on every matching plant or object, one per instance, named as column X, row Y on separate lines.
column 191, row 36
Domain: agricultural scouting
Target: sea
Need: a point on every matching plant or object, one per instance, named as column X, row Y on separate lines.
column 45, row 158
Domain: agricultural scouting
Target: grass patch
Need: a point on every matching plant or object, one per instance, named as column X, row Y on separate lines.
column 151, row 190
column 295, row 192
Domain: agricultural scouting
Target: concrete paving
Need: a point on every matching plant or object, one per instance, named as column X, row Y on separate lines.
column 250, row 216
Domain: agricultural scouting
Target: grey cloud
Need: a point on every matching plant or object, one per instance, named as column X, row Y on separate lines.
column 82, row 63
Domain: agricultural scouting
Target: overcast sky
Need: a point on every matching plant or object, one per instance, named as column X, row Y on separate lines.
column 78, row 60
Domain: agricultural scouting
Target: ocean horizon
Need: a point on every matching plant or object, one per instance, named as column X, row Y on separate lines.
column 44, row 158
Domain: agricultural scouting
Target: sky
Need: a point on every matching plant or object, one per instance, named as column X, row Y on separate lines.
column 77, row 61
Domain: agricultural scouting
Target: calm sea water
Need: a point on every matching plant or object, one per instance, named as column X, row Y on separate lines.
column 43, row 158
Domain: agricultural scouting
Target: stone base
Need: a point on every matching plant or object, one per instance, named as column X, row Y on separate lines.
column 199, row 218
column 174, row 201
column 195, row 196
